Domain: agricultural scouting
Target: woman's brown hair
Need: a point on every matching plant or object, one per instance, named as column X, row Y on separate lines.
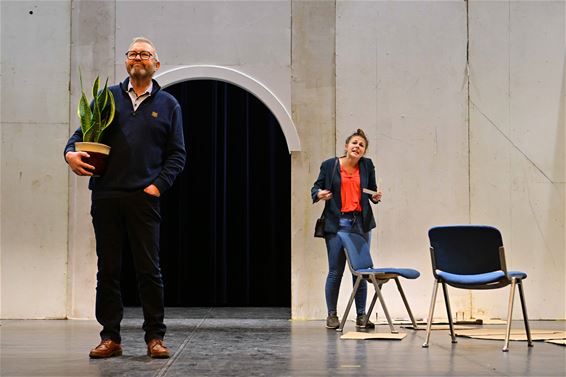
column 359, row 132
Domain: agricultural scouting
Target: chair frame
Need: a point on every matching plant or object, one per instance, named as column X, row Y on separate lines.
column 513, row 281
column 377, row 279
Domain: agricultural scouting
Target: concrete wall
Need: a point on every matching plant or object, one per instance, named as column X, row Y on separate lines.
column 517, row 160
column 314, row 107
column 34, row 126
column 401, row 76
column 449, row 147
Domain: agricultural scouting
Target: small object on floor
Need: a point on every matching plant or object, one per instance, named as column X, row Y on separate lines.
column 157, row 350
column 441, row 327
column 106, row 348
column 494, row 321
column 560, row 342
column 402, row 322
column 360, row 322
column 332, row 322
column 372, row 335
column 477, row 321
column 518, row 334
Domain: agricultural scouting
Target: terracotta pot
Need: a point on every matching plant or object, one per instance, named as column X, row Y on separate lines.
column 98, row 155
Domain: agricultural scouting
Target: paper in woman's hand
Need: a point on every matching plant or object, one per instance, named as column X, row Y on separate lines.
column 371, row 192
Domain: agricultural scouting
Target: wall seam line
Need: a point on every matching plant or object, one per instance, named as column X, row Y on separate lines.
column 468, row 110
column 468, row 121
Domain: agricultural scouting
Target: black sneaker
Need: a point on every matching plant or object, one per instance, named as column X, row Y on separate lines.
column 332, row 322
column 360, row 322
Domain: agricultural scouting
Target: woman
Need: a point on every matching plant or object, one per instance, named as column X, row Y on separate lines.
column 347, row 209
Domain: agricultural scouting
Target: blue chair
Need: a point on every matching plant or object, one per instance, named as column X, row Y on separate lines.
column 472, row 257
column 361, row 266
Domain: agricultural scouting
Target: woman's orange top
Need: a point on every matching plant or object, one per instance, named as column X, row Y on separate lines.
column 350, row 190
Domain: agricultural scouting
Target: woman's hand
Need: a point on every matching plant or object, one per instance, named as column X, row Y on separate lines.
column 377, row 196
column 324, row 195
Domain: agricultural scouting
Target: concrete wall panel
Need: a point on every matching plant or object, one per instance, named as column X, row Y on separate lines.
column 517, row 143
column 35, row 61
column 401, row 76
column 313, row 89
column 34, row 122
column 536, row 71
column 34, row 213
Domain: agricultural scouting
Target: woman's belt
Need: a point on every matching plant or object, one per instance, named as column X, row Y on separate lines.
column 351, row 214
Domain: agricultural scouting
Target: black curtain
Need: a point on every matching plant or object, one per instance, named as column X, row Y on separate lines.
column 225, row 235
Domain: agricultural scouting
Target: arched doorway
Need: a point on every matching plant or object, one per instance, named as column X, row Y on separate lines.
column 226, row 221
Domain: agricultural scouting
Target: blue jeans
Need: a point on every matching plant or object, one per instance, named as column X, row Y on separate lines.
column 337, row 262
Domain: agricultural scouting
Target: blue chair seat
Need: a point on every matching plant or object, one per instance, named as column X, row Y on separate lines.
column 475, row 279
column 407, row 273
column 517, row 274
column 478, row 279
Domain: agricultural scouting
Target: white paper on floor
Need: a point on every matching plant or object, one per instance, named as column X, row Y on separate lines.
column 372, row 335
column 519, row 334
column 560, row 342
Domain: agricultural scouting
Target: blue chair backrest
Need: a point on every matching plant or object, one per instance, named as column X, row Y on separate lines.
column 466, row 249
column 357, row 250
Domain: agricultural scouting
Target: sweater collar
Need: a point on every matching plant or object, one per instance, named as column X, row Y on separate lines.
column 155, row 86
column 147, row 91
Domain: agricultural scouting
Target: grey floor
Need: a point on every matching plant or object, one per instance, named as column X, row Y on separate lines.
column 263, row 342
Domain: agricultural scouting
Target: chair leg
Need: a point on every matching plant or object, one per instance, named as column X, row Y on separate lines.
column 382, row 301
column 525, row 316
column 371, row 306
column 509, row 314
column 431, row 313
column 354, row 290
column 406, row 303
column 449, row 312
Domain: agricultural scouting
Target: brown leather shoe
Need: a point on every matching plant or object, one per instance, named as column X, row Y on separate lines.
column 106, row 348
column 156, row 349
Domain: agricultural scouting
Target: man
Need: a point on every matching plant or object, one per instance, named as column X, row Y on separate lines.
column 147, row 153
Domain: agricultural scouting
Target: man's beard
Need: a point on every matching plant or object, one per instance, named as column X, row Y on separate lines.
column 140, row 73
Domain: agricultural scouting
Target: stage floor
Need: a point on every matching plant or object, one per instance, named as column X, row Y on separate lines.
column 264, row 342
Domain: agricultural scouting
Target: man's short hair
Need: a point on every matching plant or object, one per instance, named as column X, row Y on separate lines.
column 145, row 40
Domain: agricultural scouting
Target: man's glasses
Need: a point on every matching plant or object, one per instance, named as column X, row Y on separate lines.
column 144, row 55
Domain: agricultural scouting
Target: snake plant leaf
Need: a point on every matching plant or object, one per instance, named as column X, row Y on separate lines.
column 88, row 135
column 95, row 87
column 84, row 113
column 109, row 112
column 96, row 121
column 81, row 80
column 105, row 91
column 102, row 97
column 112, row 108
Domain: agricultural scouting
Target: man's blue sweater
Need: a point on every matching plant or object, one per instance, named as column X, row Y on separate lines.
column 147, row 145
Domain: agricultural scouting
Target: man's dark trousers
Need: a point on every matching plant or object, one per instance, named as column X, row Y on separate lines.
column 133, row 218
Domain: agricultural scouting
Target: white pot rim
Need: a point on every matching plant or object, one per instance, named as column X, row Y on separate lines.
column 84, row 146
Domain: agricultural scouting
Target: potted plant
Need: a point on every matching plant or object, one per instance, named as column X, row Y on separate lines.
column 95, row 119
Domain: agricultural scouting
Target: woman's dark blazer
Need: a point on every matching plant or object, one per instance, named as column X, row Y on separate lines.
column 332, row 207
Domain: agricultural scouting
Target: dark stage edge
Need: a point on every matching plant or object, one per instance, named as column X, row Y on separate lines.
column 263, row 342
